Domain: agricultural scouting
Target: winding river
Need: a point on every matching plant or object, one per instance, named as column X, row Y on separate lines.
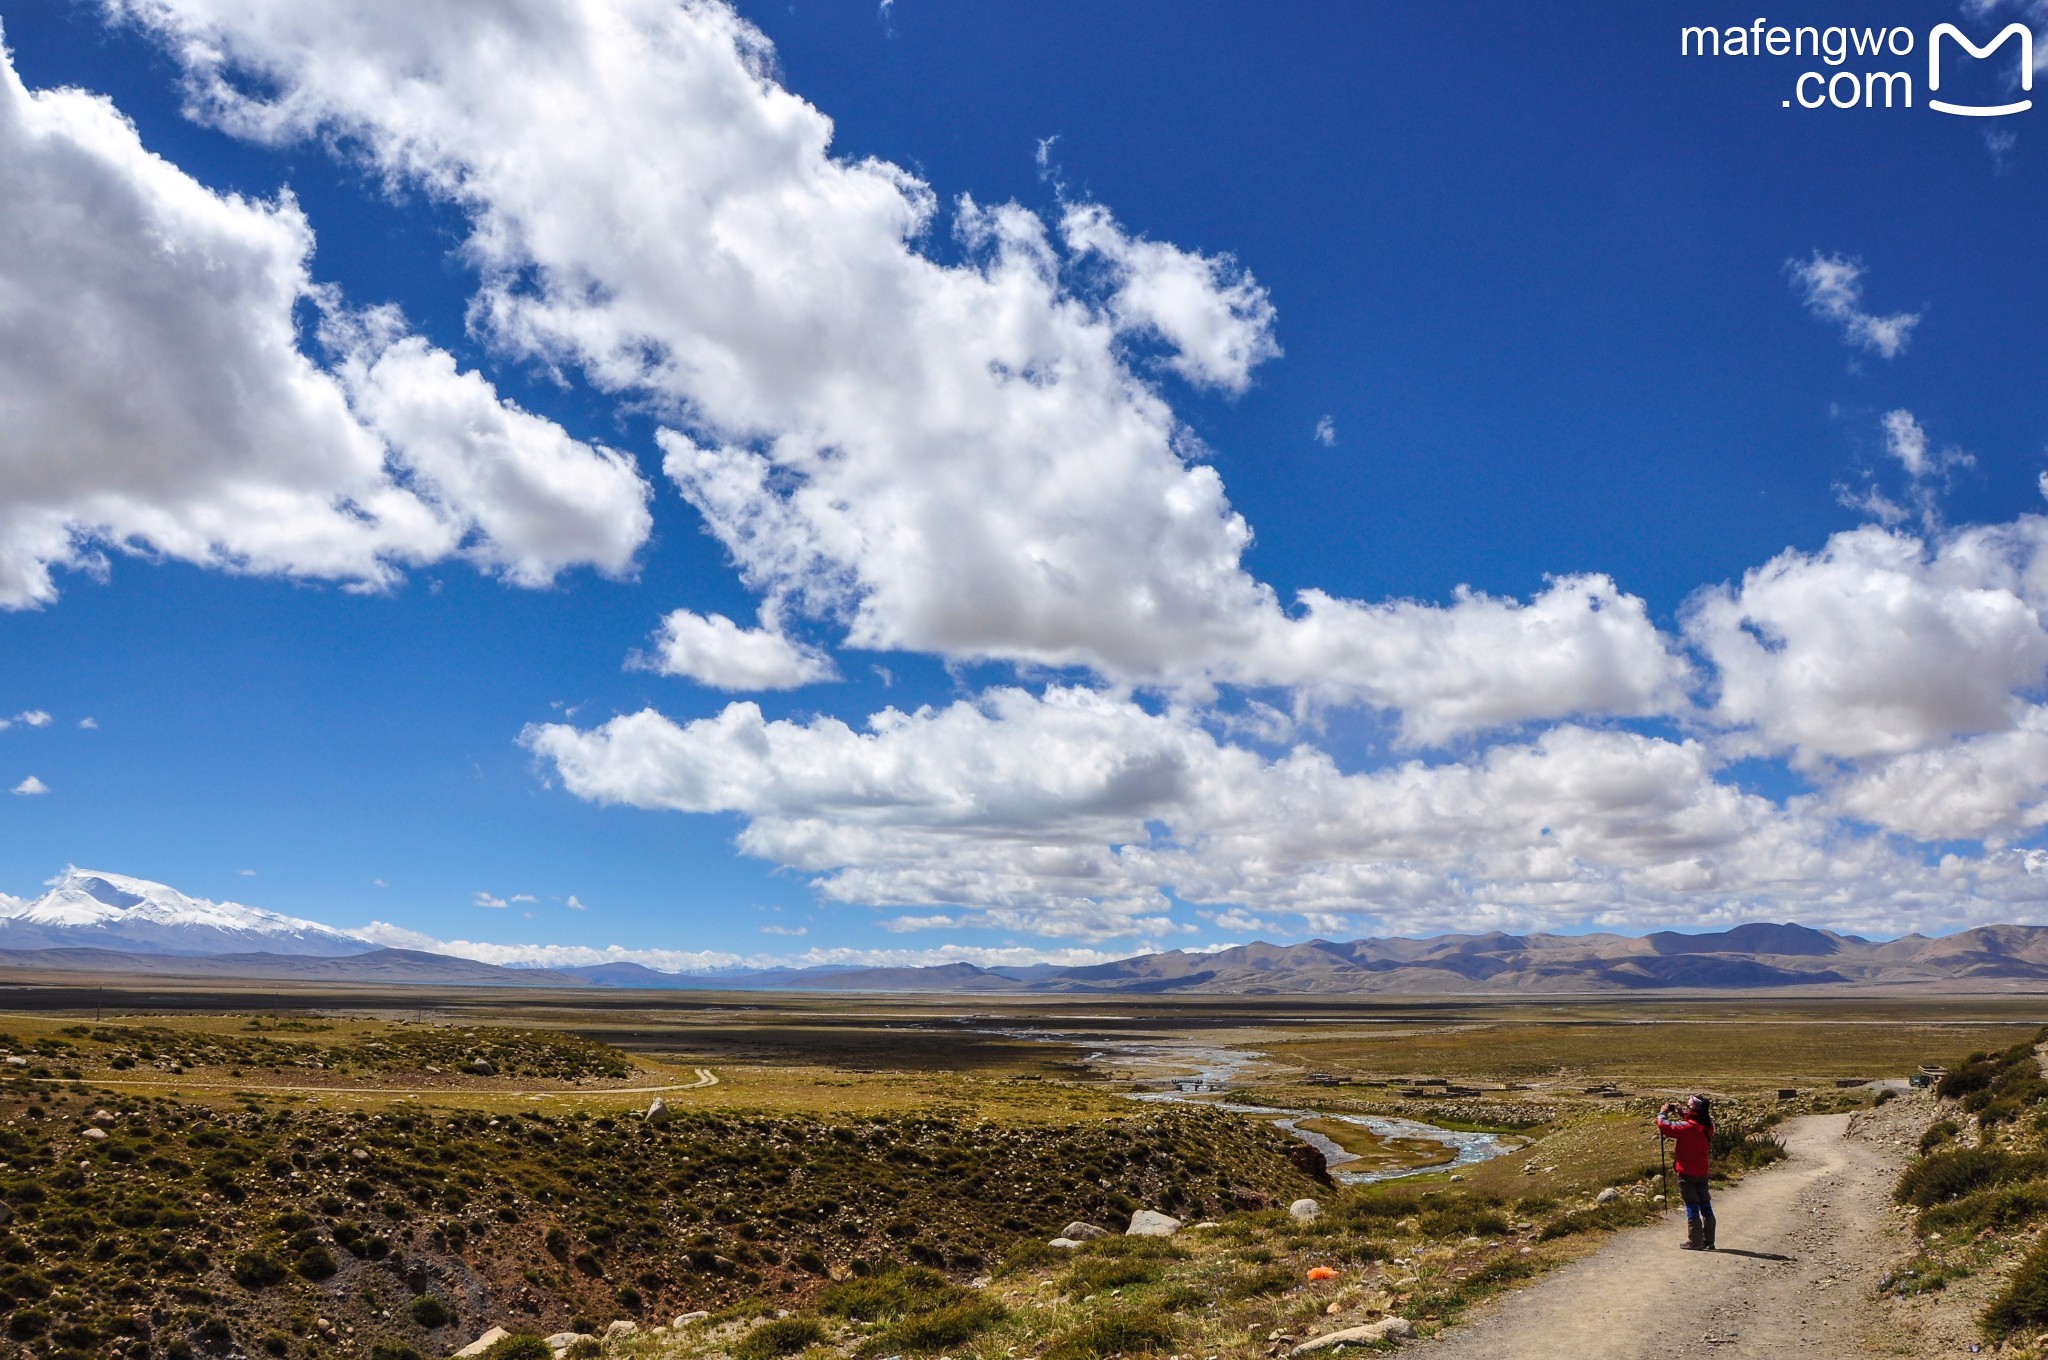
column 1400, row 1147
column 1382, row 1147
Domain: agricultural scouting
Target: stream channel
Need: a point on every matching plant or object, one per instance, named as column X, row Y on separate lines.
column 1380, row 1147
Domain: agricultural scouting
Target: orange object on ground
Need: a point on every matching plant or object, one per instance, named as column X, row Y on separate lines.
column 1322, row 1273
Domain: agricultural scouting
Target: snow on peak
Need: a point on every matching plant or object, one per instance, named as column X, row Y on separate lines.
column 104, row 910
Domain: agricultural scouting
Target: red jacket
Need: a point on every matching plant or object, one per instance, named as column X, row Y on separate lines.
column 1692, row 1137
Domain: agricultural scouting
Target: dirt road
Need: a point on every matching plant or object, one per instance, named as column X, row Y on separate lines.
column 1802, row 1247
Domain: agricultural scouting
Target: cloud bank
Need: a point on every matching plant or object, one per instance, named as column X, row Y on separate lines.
column 949, row 427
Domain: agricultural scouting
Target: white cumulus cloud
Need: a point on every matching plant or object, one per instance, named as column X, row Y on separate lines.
column 1214, row 318
column 31, row 786
column 154, row 396
column 715, row 651
column 1881, row 643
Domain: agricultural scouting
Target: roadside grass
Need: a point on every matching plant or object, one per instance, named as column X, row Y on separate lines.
column 1979, row 1188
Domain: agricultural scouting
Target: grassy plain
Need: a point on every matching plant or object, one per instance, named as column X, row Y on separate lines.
column 478, row 1158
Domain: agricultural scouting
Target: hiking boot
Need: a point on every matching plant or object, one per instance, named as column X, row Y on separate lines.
column 1707, row 1236
column 1695, row 1236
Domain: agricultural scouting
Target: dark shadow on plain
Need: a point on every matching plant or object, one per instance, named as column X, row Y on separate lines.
column 1752, row 1255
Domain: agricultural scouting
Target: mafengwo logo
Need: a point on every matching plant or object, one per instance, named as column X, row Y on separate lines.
column 1872, row 67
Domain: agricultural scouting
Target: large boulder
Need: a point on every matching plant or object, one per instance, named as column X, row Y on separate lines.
column 1304, row 1211
column 658, row 1112
column 1372, row 1334
column 1083, row 1232
column 1310, row 1162
column 1152, row 1223
column 482, row 1343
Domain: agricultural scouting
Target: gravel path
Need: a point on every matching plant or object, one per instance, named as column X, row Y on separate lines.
column 1802, row 1246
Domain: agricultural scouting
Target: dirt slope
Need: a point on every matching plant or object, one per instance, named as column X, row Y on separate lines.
column 1802, row 1247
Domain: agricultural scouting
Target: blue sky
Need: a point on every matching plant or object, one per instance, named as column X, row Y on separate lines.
column 1596, row 335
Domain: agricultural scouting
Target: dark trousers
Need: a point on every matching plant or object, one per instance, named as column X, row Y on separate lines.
column 1699, row 1202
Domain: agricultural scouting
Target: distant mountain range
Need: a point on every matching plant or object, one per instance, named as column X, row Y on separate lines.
column 113, row 924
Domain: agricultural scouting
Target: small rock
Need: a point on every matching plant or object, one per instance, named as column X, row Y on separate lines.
column 1607, row 1196
column 102, row 1116
column 1083, row 1232
column 562, row 1341
column 96, row 1134
column 17, row 1062
column 1152, row 1223
column 621, row 1328
column 359, row 1155
column 1063, row 1243
column 482, row 1067
column 1373, row 1333
column 482, row 1343
column 658, row 1112
column 1304, row 1211
column 1656, row 1199
column 685, row 1319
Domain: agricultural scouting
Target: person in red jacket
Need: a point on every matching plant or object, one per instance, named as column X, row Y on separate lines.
column 1692, row 1129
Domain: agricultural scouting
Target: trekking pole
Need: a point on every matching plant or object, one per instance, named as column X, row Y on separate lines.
column 1664, row 1170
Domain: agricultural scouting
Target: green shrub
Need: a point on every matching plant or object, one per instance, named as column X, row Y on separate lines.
column 1145, row 1248
column 1122, row 1332
column 1093, row 1275
column 1937, row 1133
column 520, row 1346
column 1735, row 1148
column 1381, row 1205
column 2011, row 1206
column 890, row 1294
column 1949, row 1175
column 1620, row 1213
column 316, row 1263
column 257, row 1270
column 1462, row 1218
column 1029, row 1254
column 385, row 1350
column 784, row 1336
column 2024, row 1304
column 1273, row 1279
column 941, row 1330
column 1357, row 1249
column 430, row 1312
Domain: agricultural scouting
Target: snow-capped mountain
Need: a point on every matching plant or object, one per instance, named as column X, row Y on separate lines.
column 113, row 911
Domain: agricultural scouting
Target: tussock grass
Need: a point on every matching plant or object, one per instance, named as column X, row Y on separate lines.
column 2024, row 1302
column 1124, row 1331
column 784, row 1336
